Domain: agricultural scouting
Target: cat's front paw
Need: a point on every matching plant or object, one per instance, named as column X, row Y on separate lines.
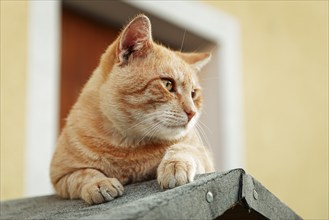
column 172, row 173
column 101, row 190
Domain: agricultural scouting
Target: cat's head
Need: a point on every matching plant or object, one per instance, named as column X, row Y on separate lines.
column 151, row 92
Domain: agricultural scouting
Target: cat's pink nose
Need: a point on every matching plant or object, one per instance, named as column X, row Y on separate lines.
column 190, row 114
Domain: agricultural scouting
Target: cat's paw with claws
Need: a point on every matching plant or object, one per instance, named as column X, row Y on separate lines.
column 101, row 190
column 172, row 173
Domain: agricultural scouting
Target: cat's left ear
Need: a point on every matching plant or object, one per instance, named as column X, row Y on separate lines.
column 197, row 60
column 135, row 39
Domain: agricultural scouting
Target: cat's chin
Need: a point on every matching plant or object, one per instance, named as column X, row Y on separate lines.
column 172, row 133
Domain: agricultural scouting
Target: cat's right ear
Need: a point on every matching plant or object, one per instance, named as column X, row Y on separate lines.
column 135, row 39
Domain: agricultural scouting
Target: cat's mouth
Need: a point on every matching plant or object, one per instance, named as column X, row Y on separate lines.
column 172, row 126
column 170, row 131
column 176, row 126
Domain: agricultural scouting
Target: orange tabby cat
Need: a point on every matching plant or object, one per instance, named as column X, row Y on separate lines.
column 134, row 121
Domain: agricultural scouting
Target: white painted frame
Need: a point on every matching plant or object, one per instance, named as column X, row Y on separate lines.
column 43, row 80
column 42, row 94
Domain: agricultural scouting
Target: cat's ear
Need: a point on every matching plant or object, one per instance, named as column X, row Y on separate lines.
column 197, row 60
column 135, row 39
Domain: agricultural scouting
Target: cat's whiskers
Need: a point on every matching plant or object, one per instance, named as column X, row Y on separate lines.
column 145, row 134
column 182, row 44
column 149, row 130
column 204, row 125
column 203, row 134
column 167, row 117
column 198, row 134
column 146, row 120
column 173, row 117
column 154, row 127
column 155, row 130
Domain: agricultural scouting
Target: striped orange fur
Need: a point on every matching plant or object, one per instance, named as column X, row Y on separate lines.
column 133, row 121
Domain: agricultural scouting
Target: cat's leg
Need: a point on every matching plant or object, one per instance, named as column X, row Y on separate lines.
column 90, row 185
column 181, row 163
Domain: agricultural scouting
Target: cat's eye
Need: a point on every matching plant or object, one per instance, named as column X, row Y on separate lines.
column 168, row 84
column 194, row 94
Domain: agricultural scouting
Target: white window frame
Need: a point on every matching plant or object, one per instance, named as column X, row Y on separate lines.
column 44, row 74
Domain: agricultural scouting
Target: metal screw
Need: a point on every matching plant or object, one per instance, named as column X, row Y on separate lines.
column 209, row 197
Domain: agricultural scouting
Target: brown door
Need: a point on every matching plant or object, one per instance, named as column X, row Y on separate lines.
column 83, row 40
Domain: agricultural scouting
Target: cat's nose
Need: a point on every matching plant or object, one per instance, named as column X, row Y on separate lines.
column 190, row 114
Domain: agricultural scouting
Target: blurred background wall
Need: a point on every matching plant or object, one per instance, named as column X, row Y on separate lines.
column 14, row 38
column 285, row 71
column 285, row 91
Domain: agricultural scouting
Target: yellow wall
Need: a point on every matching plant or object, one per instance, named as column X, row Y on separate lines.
column 285, row 79
column 13, row 88
column 285, row 73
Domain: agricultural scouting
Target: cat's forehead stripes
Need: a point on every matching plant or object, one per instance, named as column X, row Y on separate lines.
column 139, row 88
column 180, row 71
